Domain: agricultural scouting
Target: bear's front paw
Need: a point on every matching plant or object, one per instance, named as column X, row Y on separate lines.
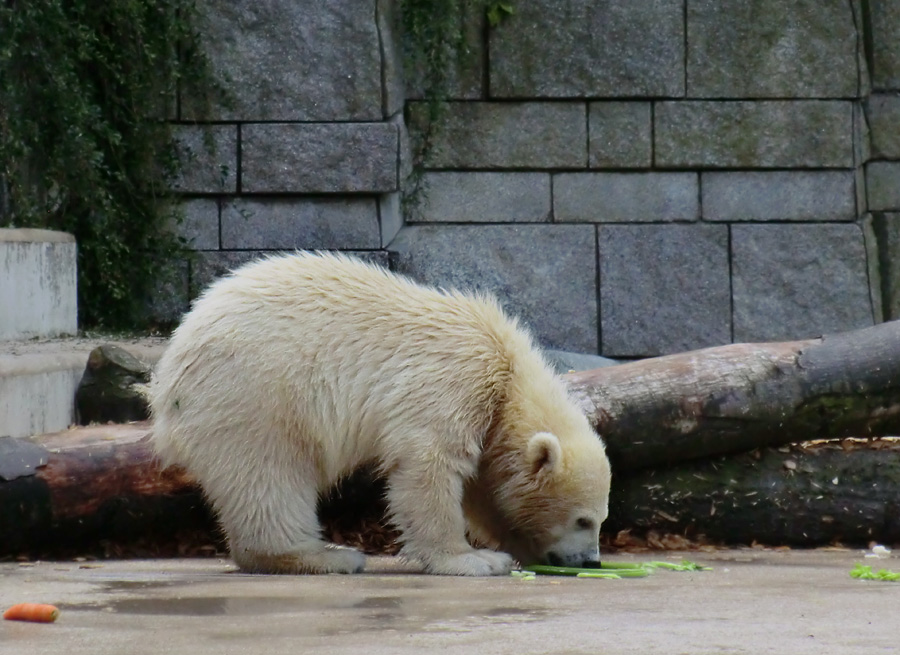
column 474, row 562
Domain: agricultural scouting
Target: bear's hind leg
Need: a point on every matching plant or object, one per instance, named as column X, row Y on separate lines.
column 426, row 505
column 273, row 528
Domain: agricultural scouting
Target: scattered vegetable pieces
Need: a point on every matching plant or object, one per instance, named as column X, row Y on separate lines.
column 861, row 572
column 34, row 612
column 609, row 570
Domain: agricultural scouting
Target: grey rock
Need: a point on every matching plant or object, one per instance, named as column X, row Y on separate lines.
column 798, row 281
column 772, row 49
column 589, row 48
column 779, row 195
column 319, row 157
column 208, row 266
column 301, row 223
column 663, row 288
column 883, row 185
column 475, row 197
column 879, row 284
column 393, row 87
column 563, row 361
column 755, row 134
column 544, row 274
column 200, row 223
column 208, row 158
column 621, row 134
column 883, row 115
column 625, row 197
column 506, row 135
column 287, row 60
column 884, row 24
column 111, row 388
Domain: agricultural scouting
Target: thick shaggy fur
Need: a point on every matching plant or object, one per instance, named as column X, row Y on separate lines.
column 294, row 370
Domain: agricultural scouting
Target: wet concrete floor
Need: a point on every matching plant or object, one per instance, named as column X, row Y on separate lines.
column 751, row 602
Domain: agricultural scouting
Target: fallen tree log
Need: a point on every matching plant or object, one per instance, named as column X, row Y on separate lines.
column 744, row 396
column 809, row 495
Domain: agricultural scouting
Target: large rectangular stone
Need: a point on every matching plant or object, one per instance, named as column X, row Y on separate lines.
column 582, row 48
column 798, row 281
column 621, row 134
column 625, row 197
column 883, row 185
column 663, row 288
column 755, row 134
column 305, row 223
column 545, row 274
column 507, row 135
column 779, row 196
column 883, row 116
column 208, row 158
column 884, row 26
column 319, row 157
column 886, row 227
column 200, row 223
column 772, row 49
column 293, row 60
column 474, row 197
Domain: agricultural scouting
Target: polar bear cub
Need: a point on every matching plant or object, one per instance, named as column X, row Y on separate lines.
column 295, row 370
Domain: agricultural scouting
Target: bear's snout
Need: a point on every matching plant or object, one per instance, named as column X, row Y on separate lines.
column 580, row 560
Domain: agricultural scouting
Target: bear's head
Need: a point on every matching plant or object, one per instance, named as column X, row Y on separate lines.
column 544, row 499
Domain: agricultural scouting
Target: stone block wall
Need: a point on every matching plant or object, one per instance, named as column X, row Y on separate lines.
column 632, row 179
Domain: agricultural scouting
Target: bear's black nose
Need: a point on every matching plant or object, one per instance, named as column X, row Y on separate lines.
column 591, row 564
column 555, row 560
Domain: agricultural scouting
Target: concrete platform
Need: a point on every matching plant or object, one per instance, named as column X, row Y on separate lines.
column 755, row 602
column 38, row 379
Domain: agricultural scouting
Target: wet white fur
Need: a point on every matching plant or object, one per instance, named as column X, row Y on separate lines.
column 295, row 370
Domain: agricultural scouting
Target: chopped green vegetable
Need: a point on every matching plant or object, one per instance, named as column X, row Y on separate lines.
column 630, row 572
column 622, row 565
column 605, row 576
column 686, row 565
column 861, row 572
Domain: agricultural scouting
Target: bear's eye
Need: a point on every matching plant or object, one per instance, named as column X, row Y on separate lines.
column 584, row 524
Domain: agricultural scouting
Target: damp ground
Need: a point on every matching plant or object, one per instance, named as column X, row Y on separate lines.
column 793, row 602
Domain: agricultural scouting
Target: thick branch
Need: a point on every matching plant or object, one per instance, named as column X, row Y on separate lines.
column 744, row 396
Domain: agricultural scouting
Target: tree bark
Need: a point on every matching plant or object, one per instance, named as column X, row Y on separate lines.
column 739, row 397
column 799, row 496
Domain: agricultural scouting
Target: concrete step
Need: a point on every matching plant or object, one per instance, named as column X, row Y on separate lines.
column 38, row 295
column 38, row 379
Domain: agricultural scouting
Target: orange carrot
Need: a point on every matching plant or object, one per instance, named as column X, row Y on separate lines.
column 34, row 612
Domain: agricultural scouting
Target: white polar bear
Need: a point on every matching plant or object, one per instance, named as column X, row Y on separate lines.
column 295, row 370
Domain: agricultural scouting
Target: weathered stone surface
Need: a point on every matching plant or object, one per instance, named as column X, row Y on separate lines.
column 764, row 134
column 286, row 60
column 465, row 74
column 301, row 223
column 589, row 48
column 779, row 195
column 886, row 226
column 393, row 93
column 211, row 265
column 883, row 185
column 545, row 274
column 507, row 135
column 390, row 216
column 208, row 156
column 111, row 387
column 884, row 23
column 879, row 292
column 625, row 197
column 319, row 157
column 663, row 288
column 771, row 49
column 487, row 198
column 798, row 281
column 200, row 223
column 564, row 361
column 883, row 115
column 620, row 134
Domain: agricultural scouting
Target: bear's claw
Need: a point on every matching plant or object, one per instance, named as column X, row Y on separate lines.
column 473, row 563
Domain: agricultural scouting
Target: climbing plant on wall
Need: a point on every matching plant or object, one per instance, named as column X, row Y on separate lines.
column 86, row 89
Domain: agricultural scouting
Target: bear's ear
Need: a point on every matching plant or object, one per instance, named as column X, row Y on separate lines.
column 544, row 452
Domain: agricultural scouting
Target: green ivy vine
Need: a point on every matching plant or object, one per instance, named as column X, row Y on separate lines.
column 86, row 91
